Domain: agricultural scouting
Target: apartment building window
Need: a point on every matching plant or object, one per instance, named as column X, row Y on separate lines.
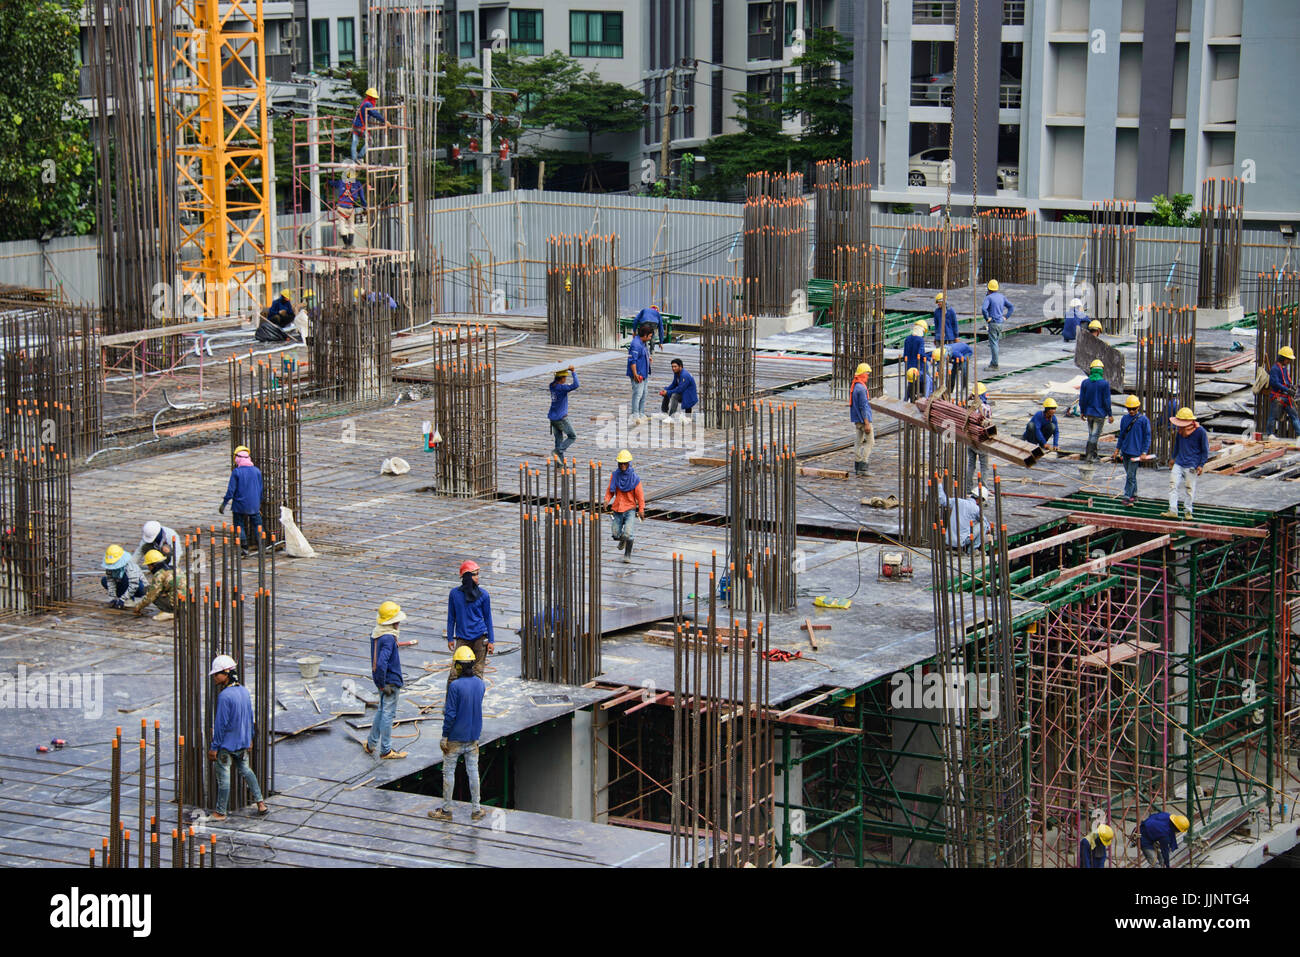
column 764, row 40
column 320, row 44
column 595, row 34
column 791, row 19
column 347, row 40
column 526, row 31
column 467, row 35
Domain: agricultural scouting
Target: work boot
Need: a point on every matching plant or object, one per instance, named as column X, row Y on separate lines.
column 1090, row 452
column 627, row 549
column 478, row 815
column 859, row 468
column 441, row 814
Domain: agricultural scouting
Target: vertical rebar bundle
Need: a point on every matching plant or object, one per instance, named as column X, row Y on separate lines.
column 775, row 241
column 1277, row 324
column 723, row 757
column 264, row 416
column 843, row 211
column 1008, row 245
column 762, row 519
column 465, row 394
column 727, row 332
column 858, row 317
column 938, row 257
column 559, row 573
column 1218, row 277
column 1112, row 252
column 35, row 507
column 213, row 609
column 582, row 290
column 1166, row 363
column 351, row 344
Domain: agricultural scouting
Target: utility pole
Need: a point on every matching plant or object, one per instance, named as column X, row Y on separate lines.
column 665, row 147
column 485, row 159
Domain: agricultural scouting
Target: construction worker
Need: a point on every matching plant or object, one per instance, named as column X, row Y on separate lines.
column 960, row 359
column 1159, row 833
column 1073, row 316
column 123, row 579
column 914, row 347
column 1094, row 328
column 366, row 114
column 165, row 585
column 916, row 385
column 962, row 516
column 626, row 499
column 1094, row 406
column 462, row 726
column 1042, row 425
column 933, row 369
column 155, row 536
column 232, row 734
column 638, row 369
column 1134, row 441
column 1191, row 452
column 996, row 310
column 864, row 439
column 981, row 409
column 244, row 495
column 351, row 197
column 1281, row 394
column 558, row 415
column 652, row 315
column 386, row 670
column 1094, row 846
column 681, row 394
column 945, row 322
column 469, row 618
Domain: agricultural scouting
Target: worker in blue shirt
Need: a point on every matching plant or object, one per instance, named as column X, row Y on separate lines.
column 962, row 518
column 469, row 617
column 232, row 734
column 462, row 726
column 1094, row 846
column 1134, row 442
column 652, row 315
column 996, row 310
column 1073, row 316
column 1094, row 406
column 1043, row 425
column 918, row 386
column 681, row 392
column 1159, row 835
column 945, row 321
column 244, row 495
column 960, row 359
column 558, row 415
column 1281, row 393
column 864, row 439
column 914, row 347
column 638, row 369
column 386, row 670
column 1191, row 452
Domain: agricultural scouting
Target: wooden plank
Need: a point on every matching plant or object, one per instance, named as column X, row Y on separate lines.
column 1256, row 461
column 823, row 473
column 1172, row 526
column 1116, row 654
column 180, row 328
column 1097, row 564
column 1083, row 531
column 710, row 460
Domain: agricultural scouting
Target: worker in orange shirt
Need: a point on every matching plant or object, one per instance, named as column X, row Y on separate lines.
column 625, row 497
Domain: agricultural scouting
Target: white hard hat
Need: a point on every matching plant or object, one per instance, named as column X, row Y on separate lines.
column 221, row 663
column 1076, row 303
column 980, row 493
column 151, row 531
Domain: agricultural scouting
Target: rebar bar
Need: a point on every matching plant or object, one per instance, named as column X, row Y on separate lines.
column 775, row 232
column 1166, row 364
column 1277, row 324
column 1112, row 253
column 1008, row 245
column 465, row 400
column 857, row 318
column 1218, row 278
column 727, row 336
column 265, row 417
column 351, row 342
column 843, row 211
column 582, row 290
column 762, row 518
column 938, row 257
column 35, row 507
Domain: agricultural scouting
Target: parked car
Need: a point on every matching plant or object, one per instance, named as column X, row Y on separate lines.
column 926, row 169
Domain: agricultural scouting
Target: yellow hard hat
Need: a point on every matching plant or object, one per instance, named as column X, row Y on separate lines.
column 923, row 324
column 1285, row 353
column 937, row 354
column 153, row 557
column 1185, row 415
column 913, row 375
column 624, row 456
column 862, row 369
column 1096, row 364
column 1105, row 834
column 463, row 653
column 389, row 612
column 1180, row 822
column 242, row 448
column 918, row 329
column 993, row 285
column 113, row 554
column 980, row 388
column 1049, row 403
column 939, row 298
column 372, row 93
column 561, row 373
column 1095, row 326
column 1132, row 402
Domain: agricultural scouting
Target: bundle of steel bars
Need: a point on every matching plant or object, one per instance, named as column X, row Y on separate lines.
column 985, row 800
column 582, row 290
column 212, row 609
column 775, row 229
column 858, row 317
column 843, row 211
column 1112, row 251
column 938, row 257
column 762, row 519
column 36, row 507
column 1277, row 324
column 723, row 753
column 1008, row 245
column 1166, row 363
column 727, row 333
column 264, row 416
column 559, row 573
column 1218, row 278
column 351, row 344
column 465, row 397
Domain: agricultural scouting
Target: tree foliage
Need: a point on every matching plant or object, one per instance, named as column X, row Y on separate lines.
column 593, row 107
column 1173, row 211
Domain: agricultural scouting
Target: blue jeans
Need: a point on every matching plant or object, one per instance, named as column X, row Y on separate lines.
column 638, row 397
column 358, row 148
column 240, row 760
column 250, row 524
column 994, row 330
column 1130, row 476
column 119, row 588
column 986, row 477
column 381, row 732
column 564, row 435
column 624, row 524
column 1275, row 409
column 449, row 760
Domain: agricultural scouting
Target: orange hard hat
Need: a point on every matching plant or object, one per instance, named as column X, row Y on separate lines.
column 468, row 565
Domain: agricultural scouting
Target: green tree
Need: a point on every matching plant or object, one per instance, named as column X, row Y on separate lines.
column 1173, row 211
column 593, row 107
column 761, row 144
column 823, row 97
column 46, row 161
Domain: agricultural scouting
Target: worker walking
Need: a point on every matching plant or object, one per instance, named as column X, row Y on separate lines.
column 638, row 369
column 1094, row 845
column 386, row 670
column 864, row 439
column 558, row 415
column 155, row 536
column 996, row 310
column 1281, row 394
column 945, row 321
column 366, row 114
column 652, row 316
column 1073, row 317
column 122, row 578
column 627, row 500
column 1043, row 425
column 165, row 586
column 1159, row 836
column 1094, row 406
column 1191, row 452
column 469, row 618
column 462, row 726
column 244, row 495
column 1134, row 441
column 962, row 516
column 982, row 412
column 681, row 393
column 232, row 734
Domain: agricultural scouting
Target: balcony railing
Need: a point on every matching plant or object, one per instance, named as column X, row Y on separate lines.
column 1013, row 13
column 1009, row 95
column 764, row 46
column 925, row 93
column 934, row 11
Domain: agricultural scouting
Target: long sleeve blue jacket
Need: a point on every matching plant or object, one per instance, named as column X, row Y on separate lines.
column 560, row 398
column 996, row 308
column 1094, row 398
column 385, row 659
column 1134, row 435
column 244, row 492
column 462, row 712
column 232, row 728
column 638, row 358
column 860, row 409
column 466, row 620
column 684, row 386
column 1039, row 430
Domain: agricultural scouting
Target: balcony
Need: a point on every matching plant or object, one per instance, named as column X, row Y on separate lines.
column 935, row 12
column 1013, row 13
column 1009, row 95
column 764, row 46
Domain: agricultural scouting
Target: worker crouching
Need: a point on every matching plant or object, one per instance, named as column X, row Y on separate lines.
column 165, row 585
column 462, row 726
column 122, row 579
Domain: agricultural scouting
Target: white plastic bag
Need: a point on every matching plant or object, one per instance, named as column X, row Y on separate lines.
column 394, row 466
column 301, row 325
column 295, row 543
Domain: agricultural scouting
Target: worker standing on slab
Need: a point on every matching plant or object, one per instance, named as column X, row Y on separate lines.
column 123, row 579
column 165, row 585
column 681, row 393
column 365, row 115
column 996, row 310
column 462, row 726
column 244, row 495
column 386, row 670
column 232, row 734
column 864, row 439
column 1094, row 846
column 1073, row 317
column 982, row 411
column 157, row 537
column 638, row 370
column 652, row 316
column 1281, row 394
column 558, row 416
column 914, row 348
column 1134, row 442
column 962, row 516
column 1043, row 425
column 1094, row 406
column 945, row 321
column 626, row 499
column 1191, row 452
column 1159, row 836
column 469, row 618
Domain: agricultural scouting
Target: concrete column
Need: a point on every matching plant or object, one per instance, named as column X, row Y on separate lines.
column 964, row 132
column 1102, row 94
column 867, row 37
column 1157, row 97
